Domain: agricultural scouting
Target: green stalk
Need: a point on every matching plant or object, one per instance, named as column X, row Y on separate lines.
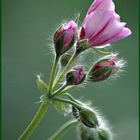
column 68, row 89
column 53, row 73
column 63, row 129
column 34, row 123
column 58, row 91
column 43, row 107
column 67, row 101
column 66, row 68
column 71, row 97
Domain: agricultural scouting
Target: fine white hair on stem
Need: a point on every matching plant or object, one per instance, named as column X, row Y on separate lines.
column 38, row 75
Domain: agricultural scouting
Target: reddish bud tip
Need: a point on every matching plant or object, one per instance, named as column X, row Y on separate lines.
column 75, row 76
column 64, row 37
column 104, row 68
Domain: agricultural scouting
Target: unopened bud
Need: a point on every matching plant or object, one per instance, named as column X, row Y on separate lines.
column 103, row 69
column 104, row 134
column 88, row 117
column 87, row 133
column 75, row 76
column 65, row 37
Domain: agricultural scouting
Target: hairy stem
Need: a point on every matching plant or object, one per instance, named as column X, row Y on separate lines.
column 70, row 97
column 68, row 89
column 53, row 73
column 58, row 134
column 67, row 101
column 34, row 123
column 66, row 68
column 58, row 91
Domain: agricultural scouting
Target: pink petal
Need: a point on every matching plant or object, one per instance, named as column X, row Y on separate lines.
column 122, row 34
column 102, row 25
column 101, row 4
column 113, row 28
column 95, row 22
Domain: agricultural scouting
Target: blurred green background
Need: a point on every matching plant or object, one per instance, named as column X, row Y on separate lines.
column 27, row 29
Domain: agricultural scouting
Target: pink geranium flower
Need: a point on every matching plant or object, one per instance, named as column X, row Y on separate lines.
column 102, row 25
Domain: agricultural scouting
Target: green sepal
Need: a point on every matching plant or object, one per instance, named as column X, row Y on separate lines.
column 82, row 45
column 88, row 118
column 59, row 45
column 59, row 106
column 97, row 75
column 87, row 133
column 75, row 112
column 42, row 86
column 65, row 59
column 58, row 29
column 104, row 50
column 104, row 134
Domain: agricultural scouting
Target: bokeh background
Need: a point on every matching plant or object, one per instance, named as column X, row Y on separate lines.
column 27, row 29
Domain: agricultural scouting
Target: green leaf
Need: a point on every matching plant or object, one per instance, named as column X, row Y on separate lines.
column 60, row 107
column 42, row 86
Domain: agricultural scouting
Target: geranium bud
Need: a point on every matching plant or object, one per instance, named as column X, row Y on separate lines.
column 65, row 37
column 88, row 117
column 87, row 133
column 75, row 76
column 104, row 134
column 104, row 68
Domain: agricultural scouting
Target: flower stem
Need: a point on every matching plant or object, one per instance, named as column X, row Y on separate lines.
column 71, row 98
column 66, row 68
column 34, row 123
column 43, row 108
column 53, row 73
column 58, row 91
column 63, row 129
column 67, row 101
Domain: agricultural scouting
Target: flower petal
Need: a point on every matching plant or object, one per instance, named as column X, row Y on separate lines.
column 102, row 25
column 101, row 4
column 95, row 22
column 112, row 29
column 122, row 34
